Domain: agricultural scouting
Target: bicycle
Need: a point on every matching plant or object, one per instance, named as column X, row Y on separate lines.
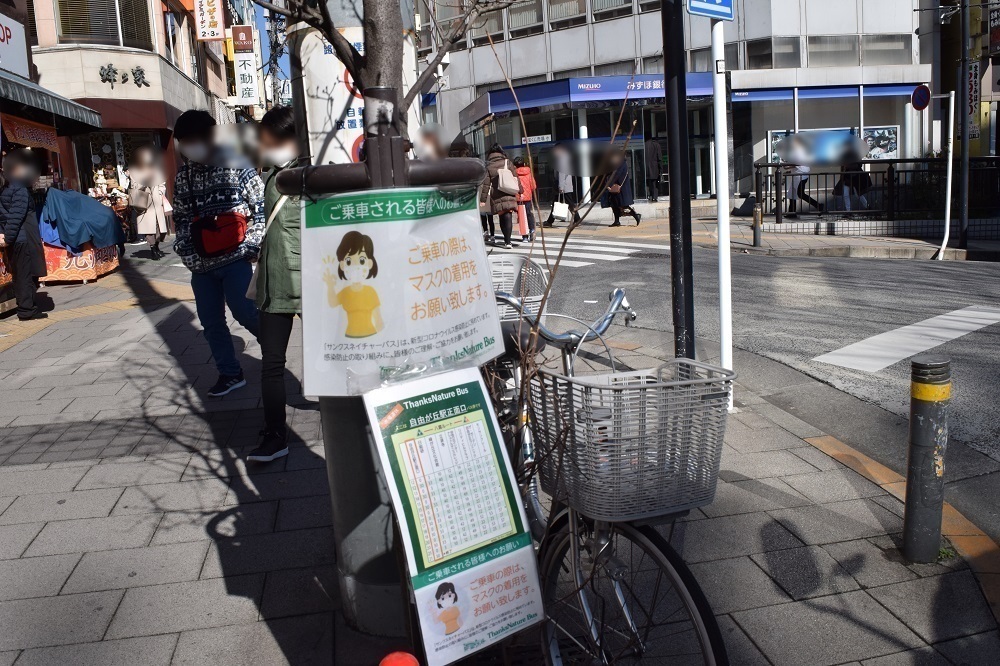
column 614, row 590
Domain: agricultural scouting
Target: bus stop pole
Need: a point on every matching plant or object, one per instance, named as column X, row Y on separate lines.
column 679, row 170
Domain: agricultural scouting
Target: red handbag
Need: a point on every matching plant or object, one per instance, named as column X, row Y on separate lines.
column 218, row 235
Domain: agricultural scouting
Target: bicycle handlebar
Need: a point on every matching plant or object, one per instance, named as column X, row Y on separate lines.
column 619, row 305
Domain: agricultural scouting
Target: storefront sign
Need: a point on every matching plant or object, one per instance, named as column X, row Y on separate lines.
column 243, row 39
column 13, row 47
column 974, row 92
column 538, row 138
column 469, row 555
column 245, row 67
column 392, row 280
column 883, row 142
column 995, row 31
column 208, row 20
column 28, row 133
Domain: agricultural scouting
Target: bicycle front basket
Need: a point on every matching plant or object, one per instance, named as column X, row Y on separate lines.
column 628, row 446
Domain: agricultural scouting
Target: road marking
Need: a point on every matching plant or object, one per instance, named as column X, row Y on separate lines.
column 595, row 241
column 538, row 255
column 594, row 248
column 881, row 351
column 541, row 260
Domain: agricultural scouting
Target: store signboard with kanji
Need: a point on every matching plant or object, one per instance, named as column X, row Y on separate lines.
column 468, row 551
column 394, row 282
column 209, row 24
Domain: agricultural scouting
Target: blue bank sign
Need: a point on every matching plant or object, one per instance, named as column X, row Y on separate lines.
column 717, row 9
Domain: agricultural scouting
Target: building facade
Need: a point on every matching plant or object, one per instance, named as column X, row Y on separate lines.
column 138, row 63
column 795, row 65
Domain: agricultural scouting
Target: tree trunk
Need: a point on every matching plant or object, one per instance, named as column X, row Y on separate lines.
column 383, row 22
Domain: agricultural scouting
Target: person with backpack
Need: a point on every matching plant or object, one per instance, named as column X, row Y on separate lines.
column 498, row 195
column 525, row 199
column 219, row 219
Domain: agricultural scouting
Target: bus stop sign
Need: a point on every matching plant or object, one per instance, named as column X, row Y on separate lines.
column 715, row 9
column 921, row 98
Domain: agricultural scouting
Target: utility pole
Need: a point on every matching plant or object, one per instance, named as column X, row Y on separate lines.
column 963, row 186
column 675, row 83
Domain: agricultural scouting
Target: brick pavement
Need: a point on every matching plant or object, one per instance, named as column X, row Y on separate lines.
column 132, row 532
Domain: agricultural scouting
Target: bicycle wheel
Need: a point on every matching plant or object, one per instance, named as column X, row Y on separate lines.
column 640, row 603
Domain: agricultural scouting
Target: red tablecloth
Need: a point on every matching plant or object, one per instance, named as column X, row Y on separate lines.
column 61, row 266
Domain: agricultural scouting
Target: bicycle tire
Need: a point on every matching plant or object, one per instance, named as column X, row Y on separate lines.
column 560, row 645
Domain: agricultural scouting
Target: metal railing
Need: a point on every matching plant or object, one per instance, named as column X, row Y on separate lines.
column 897, row 190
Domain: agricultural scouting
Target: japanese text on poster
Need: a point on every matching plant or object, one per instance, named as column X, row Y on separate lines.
column 392, row 280
column 208, row 21
column 470, row 558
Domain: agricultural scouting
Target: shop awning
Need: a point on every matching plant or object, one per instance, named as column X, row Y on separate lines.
column 23, row 91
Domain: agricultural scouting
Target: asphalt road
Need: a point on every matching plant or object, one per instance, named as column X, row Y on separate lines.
column 794, row 309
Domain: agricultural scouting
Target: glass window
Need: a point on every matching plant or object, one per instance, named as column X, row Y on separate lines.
column 759, row 54
column 652, row 65
column 887, row 49
column 732, row 56
column 525, row 18
column 649, row 5
column 787, row 52
column 528, row 80
column 135, row 24
column 622, row 68
column 834, row 51
column 566, row 13
column 491, row 24
column 96, row 22
column 701, row 60
column 579, row 73
column 606, row 9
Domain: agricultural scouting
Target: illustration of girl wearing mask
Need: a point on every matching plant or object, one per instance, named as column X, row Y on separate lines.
column 355, row 264
column 450, row 614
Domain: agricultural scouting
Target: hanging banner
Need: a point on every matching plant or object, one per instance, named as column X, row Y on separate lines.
column 995, row 31
column 29, row 133
column 469, row 555
column 334, row 104
column 209, row 24
column 393, row 279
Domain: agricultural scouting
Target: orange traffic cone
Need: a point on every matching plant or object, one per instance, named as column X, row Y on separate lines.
column 399, row 659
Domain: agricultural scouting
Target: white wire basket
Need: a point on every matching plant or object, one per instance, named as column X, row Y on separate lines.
column 631, row 446
column 521, row 278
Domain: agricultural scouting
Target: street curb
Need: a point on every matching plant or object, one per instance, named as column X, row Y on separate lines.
column 980, row 551
column 856, row 252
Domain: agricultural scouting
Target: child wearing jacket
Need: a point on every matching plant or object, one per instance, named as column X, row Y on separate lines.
column 524, row 199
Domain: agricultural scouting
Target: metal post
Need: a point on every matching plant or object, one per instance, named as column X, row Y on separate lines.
column 950, row 169
column 719, row 100
column 963, row 186
column 675, row 82
column 758, row 210
column 779, row 195
column 930, row 393
column 890, row 185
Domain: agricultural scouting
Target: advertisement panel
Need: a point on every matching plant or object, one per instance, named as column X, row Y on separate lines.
column 209, row 24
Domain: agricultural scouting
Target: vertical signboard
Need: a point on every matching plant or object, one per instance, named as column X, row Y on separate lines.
column 333, row 103
column 245, row 66
column 974, row 85
column 995, row 31
column 468, row 551
column 209, row 24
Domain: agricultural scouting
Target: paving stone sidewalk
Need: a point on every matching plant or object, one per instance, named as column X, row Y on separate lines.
column 131, row 532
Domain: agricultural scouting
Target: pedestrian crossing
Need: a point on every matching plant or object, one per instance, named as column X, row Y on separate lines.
column 581, row 250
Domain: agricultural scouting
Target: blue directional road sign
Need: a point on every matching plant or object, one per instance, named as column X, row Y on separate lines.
column 717, row 9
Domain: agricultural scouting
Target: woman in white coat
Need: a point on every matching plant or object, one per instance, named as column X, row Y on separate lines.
column 148, row 197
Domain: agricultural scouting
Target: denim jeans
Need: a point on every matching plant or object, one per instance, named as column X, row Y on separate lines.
column 213, row 291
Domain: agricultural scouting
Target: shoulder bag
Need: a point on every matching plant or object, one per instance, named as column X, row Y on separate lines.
column 507, row 182
column 139, row 198
column 252, row 288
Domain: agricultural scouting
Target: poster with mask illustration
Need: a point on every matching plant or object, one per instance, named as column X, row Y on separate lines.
column 395, row 284
column 468, row 551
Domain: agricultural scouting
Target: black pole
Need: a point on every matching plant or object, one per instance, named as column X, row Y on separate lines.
column 963, row 185
column 930, row 393
column 675, row 83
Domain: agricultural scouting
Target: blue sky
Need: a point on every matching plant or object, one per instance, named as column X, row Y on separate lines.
column 265, row 46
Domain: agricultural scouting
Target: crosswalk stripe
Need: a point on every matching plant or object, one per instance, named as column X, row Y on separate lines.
column 595, row 248
column 569, row 263
column 596, row 241
column 537, row 254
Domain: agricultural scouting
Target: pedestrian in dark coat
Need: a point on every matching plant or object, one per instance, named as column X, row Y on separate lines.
column 654, row 167
column 494, row 202
column 617, row 193
column 21, row 234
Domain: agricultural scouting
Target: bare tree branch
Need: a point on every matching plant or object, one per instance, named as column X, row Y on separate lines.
column 460, row 26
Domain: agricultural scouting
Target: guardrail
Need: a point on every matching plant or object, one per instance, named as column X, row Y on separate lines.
column 899, row 190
